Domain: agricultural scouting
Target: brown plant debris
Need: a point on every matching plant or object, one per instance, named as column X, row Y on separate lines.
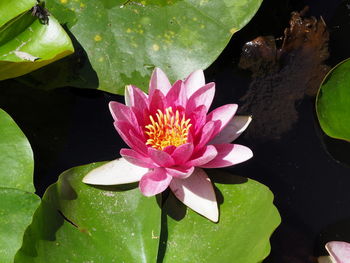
column 283, row 76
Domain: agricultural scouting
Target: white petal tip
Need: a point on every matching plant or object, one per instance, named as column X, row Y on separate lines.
column 339, row 251
column 197, row 193
column 115, row 172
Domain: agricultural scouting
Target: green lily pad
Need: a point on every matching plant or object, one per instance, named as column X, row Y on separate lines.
column 333, row 100
column 125, row 40
column 87, row 224
column 16, row 211
column 17, row 206
column 27, row 44
column 17, row 164
column 247, row 220
column 11, row 9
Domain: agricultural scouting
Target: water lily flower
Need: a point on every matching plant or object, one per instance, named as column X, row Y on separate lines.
column 171, row 138
column 339, row 252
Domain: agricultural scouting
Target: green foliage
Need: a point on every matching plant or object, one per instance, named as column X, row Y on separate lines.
column 247, row 220
column 17, row 164
column 99, row 225
column 333, row 102
column 108, row 224
column 26, row 43
column 17, row 206
column 124, row 42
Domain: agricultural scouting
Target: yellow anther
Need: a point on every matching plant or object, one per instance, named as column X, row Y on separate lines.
column 169, row 129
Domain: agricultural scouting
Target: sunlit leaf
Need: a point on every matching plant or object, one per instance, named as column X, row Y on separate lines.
column 27, row 44
column 247, row 220
column 17, row 206
column 125, row 40
column 87, row 224
column 333, row 102
column 17, row 164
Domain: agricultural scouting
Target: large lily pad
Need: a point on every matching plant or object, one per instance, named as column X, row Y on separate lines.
column 17, row 164
column 333, row 102
column 125, row 40
column 26, row 43
column 247, row 220
column 86, row 224
column 10, row 9
column 17, row 206
column 16, row 211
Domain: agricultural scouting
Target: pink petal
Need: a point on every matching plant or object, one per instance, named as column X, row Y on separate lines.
column 198, row 118
column 203, row 96
column 154, row 182
column 134, row 97
column 208, row 131
column 208, row 153
column 131, row 137
column 115, row 172
column 137, row 159
column 194, row 82
column 197, row 193
column 224, row 114
column 157, row 101
column 177, row 95
column 233, row 130
column 229, row 154
column 169, row 149
column 159, row 81
column 161, row 158
column 182, row 153
column 339, row 251
column 179, row 171
column 120, row 112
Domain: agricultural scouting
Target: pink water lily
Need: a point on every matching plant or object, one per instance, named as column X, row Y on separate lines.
column 171, row 138
column 339, row 252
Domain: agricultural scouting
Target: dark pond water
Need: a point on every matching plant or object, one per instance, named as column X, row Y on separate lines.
column 311, row 189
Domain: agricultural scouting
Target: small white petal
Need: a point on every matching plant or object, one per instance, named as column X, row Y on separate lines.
column 339, row 251
column 325, row 259
column 197, row 193
column 232, row 130
column 115, row 172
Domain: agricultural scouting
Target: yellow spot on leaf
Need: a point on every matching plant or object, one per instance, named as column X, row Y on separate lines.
column 64, row 1
column 195, row 19
column 155, row 47
column 97, row 38
column 101, row 59
column 128, row 30
column 82, row 5
column 202, row 26
column 233, row 30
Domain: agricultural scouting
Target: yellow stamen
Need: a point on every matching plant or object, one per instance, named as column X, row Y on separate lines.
column 168, row 129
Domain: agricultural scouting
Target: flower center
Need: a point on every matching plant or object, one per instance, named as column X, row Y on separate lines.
column 168, row 129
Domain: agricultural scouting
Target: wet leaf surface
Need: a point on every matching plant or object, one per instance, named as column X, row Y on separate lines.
column 87, row 224
column 125, row 40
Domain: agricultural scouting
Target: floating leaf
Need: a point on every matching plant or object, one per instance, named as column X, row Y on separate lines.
column 26, row 44
column 333, row 100
column 247, row 220
column 16, row 211
column 16, row 165
column 87, row 224
column 16, row 171
column 11, row 9
column 125, row 40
